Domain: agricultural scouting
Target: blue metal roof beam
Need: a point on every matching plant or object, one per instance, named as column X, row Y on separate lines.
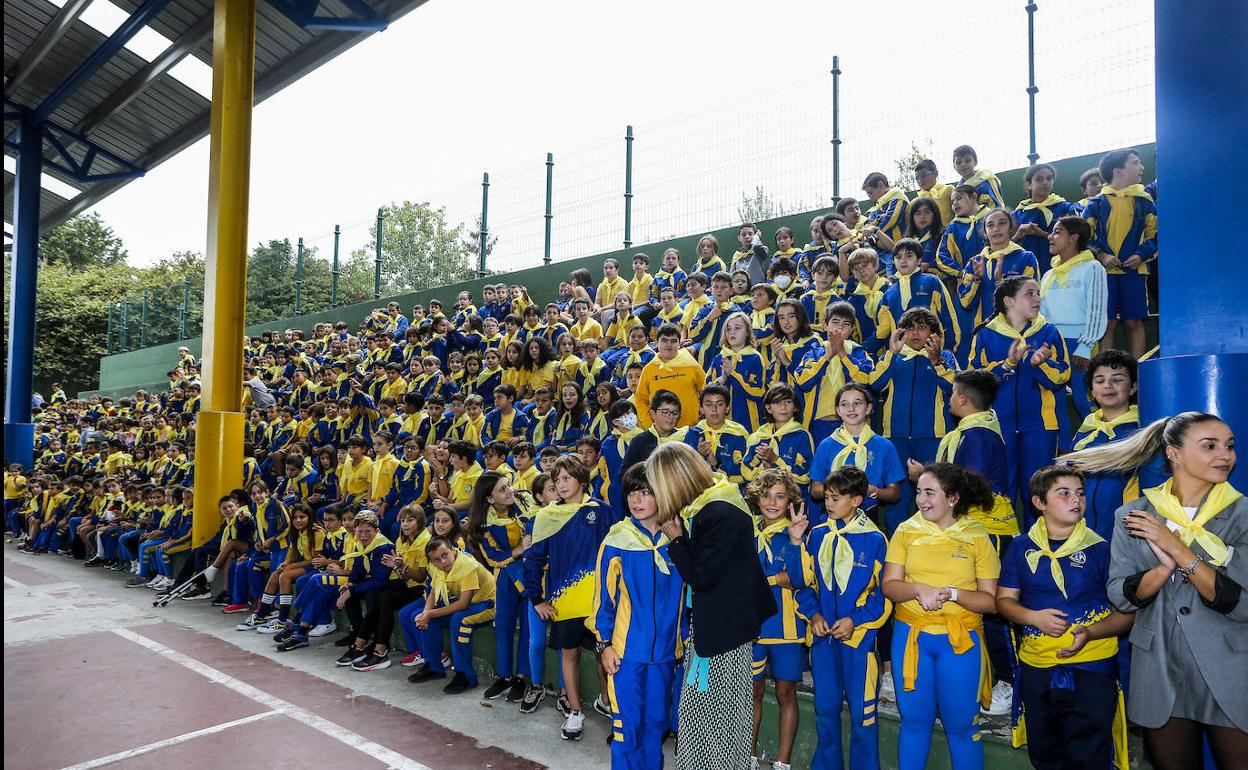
column 303, row 13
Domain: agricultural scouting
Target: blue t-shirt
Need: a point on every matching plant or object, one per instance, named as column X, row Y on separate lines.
column 883, row 467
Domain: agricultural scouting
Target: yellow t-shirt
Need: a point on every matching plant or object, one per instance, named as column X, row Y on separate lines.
column 380, row 477
column 462, row 483
column 939, row 561
column 14, row 486
column 590, row 330
column 479, row 580
column 355, row 478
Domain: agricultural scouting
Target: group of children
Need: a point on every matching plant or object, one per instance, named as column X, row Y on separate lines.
column 891, row 398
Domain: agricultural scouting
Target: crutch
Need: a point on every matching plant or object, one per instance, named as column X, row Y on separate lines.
column 179, row 591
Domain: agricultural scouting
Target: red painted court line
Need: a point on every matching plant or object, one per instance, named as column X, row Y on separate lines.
column 31, row 576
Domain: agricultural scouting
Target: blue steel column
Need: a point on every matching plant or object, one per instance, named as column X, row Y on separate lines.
column 1202, row 71
column 19, row 431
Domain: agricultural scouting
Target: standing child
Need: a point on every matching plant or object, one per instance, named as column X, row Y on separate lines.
column 854, row 443
column 1037, row 214
column 917, row 289
column 781, row 442
column 985, row 183
column 720, row 441
column 1112, row 382
column 819, row 379
column 1000, row 259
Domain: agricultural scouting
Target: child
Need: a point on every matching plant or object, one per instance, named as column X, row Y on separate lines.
column 543, row 495
column 524, row 458
column 854, row 443
column 622, row 416
column 819, row 379
column 720, row 441
column 709, row 262
column 865, row 291
column 1124, row 238
column 1090, row 184
column 639, row 654
column 1067, row 677
column 964, row 235
column 782, row 442
column 792, row 342
column 1028, row 356
column 585, row 328
column 1000, row 259
column 559, row 573
column 541, row 419
column 888, row 210
column 763, row 318
column 782, row 274
column 824, row 293
column 1113, row 386
column 928, row 179
column 307, row 539
column 739, row 368
column 593, row 371
column 459, row 597
column 612, row 284
column 504, row 422
column 639, row 287
column 774, row 495
column 838, row 589
column 671, row 276
column 986, row 184
column 673, row 369
column 698, row 299
column 669, row 311
column 1037, row 214
column 786, row 248
column 572, row 419
column 917, row 289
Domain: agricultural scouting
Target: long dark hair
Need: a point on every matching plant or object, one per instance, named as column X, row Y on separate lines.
column 1006, row 288
column 544, row 356
column 971, row 489
column 937, row 228
column 479, row 508
column 577, row 411
column 803, row 320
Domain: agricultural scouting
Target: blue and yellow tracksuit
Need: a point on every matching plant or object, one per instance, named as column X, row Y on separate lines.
column 637, row 609
column 779, row 648
column 975, row 294
column 866, row 301
column 1028, row 399
column 839, row 576
column 889, row 214
column 506, row 427
column 708, row 268
column 663, row 279
column 928, row 292
column 178, row 530
column 1107, row 492
column 762, row 324
column 1044, row 213
column 1124, row 223
column 746, row 385
column 977, row 444
column 792, row 445
column 963, row 238
column 559, row 565
column 500, row 536
column 988, row 187
column 807, row 259
column 729, row 443
column 797, row 351
column 706, row 332
column 819, row 379
column 569, row 429
column 541, row 428
column 610, row 468
column 817, row 303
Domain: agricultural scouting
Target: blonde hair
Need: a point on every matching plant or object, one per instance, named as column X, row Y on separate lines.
column 864, row 255
column 769, row 478
column 677, row 475
column 367, row 517
column 749, row 329
column 1140, row 447
column 708, row 238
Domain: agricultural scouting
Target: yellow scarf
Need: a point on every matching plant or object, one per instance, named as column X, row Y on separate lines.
column 1130, row 191
column 1044, row 206
column 979, row 177
column 906, row 353
column 855, row 447
column 872, row 294
column 1221, row 497
column 438, row 580
column 988, row 255
column 721, row 490
column 789, row 347
column 736, row 356
column 627, row 536
column 761, row 319
column 1060, row 271
column 1096, row 424
column 552, row 518
column 1080, row 539
column 771, row 434
column 962, row 530
column 903, row 285
column 892, row 194
column 949, row 444
column 1001, row 326
column 377, row 541
column 764, row 531
column 836, row 564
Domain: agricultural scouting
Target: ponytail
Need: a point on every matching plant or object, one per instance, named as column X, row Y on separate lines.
column 1140, row 447
column 1007, row 287
column 971, row 489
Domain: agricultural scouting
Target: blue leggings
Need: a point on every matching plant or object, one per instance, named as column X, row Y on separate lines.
column 461, row 625
column 641, row 697
column 845, row 674
column 147, row 555
column 511, row 611
column 948, row 685
column 537, row 648
column 1026, row 453
column 127, row 543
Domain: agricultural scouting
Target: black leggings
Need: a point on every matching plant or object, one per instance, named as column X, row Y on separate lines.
column 1177, row 745
column 377, row 625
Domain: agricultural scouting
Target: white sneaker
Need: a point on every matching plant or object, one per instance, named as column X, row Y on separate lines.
column 778, row 765
column 134, row 568
column 753, row 763
column 573, row 727
column 323, row 629
column 1002, row 700
column 154, row 582
column 250, row 623
column 887, row 691
column 165, row 583
column 271, row 626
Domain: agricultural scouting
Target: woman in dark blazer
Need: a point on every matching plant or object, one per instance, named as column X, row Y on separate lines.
column 712, row 546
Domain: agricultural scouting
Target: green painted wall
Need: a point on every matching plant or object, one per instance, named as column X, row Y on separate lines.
column 122, row 373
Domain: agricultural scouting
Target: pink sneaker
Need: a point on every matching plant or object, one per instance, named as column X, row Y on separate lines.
column 415, row 659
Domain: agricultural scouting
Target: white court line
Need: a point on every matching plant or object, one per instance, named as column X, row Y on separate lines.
column 320, row 724
column 130, row 754
column 11, row 583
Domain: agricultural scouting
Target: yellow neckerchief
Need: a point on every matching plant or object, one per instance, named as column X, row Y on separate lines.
column 979, row 177
column 627, row 536
column 493, row 519
column 668, row 276
column 789, row 347
column 1080, row 539
column 1221, row 497
column 906, row 353
column 855, row 447
column 961, row 531
column 675, row 313
column 552, row 518
column 761, row 319
column 872, row 294
column 836, row 570
column 764, row 531
column 1060, row 270
column 949, row 444
column 736, row 356
column 598, row 426
column 1130, row 191
column 721, row 490
column 890, row 195
column 712, row 434
column 989, row 255
column 404, row 548
column 903, row 285
column 789, row 252
column 377, row 541
column 1001, row 326
column 1096, row 424
column 1045, row 206
column 621, row 329
column 771, row 434
column 464, row 566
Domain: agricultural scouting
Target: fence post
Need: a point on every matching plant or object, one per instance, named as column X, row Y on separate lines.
column 185, row 310
column 333, row 284
column 124, row 338
column 836, row 129
column 381, row 214
column 299, row 279
column 628, row 187
column 108, row 335
column 1032, row 156
column 550, row 174
column 485, row 228
column 143, row 322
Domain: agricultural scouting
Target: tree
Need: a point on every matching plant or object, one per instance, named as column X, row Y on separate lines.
column 761, row 206
column 419, row 250
column 81, row 242
column 905, row 165
column 473, row 242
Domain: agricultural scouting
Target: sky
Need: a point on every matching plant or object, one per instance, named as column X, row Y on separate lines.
column 724, row 97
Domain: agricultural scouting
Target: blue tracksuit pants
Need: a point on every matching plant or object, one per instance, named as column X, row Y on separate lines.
column 845, row 674
column 511, row 613
column 641, row 697
column 461, row 625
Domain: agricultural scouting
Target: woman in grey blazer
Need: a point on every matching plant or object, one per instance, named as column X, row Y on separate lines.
column 1180, row 563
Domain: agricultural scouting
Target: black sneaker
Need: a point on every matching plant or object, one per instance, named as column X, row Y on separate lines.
column 516, row 693
column 293, row 643
column 345, row 641
column 283, row 635
column 424, row 674
column 221, row 600
column 351, row 656
column 496, row 690
column 197, row 595
column 533, row 698
column 458, row 684
column 371, row 662
column 563, row 705
column 602, row 709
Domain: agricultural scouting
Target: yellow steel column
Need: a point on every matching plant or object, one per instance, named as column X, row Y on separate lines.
column 219, row 437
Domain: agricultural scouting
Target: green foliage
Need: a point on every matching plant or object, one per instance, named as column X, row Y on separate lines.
column 905, row 165
column 418, row 250
column 82, row 242
column 761, row 206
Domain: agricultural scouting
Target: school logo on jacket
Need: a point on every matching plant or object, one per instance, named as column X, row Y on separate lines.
column 591, row 516
column 1078, row 559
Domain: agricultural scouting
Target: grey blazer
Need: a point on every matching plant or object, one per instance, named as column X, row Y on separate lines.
column 1183, row 651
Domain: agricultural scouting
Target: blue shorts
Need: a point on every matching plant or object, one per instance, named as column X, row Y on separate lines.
column 1128, row 297
column 785, row 659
